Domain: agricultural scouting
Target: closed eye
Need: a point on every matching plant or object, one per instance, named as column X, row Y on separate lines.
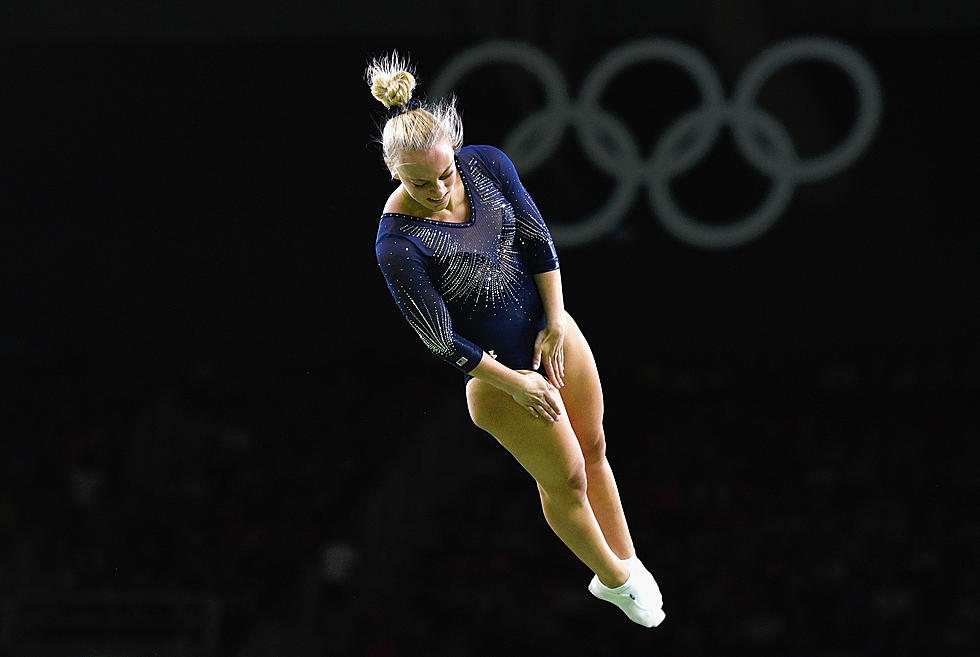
column 442, row 177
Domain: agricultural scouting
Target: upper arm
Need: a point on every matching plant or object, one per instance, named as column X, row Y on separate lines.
column 535, row 238
column 406, row 272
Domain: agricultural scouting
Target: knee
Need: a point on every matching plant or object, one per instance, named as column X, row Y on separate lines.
column 577, row 481
column 593, row 444
column 571, row 483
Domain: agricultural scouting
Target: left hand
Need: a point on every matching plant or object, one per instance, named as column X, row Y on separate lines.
column 549, row 347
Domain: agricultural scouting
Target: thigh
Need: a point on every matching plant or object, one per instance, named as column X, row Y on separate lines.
column 582, row 392
column 549, row 451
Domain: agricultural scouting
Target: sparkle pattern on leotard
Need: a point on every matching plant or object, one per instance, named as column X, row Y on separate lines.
column 476, row 277
column 433, row 326
column 466, row 286
column 528, row 227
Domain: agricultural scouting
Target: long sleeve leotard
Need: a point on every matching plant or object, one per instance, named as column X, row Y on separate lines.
column 469, row 288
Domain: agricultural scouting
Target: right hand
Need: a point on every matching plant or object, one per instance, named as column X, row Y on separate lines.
column 537, row 396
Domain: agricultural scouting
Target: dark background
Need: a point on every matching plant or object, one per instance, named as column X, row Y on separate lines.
column 220, row 437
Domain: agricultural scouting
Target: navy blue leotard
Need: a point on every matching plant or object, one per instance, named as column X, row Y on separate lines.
column 469, row 288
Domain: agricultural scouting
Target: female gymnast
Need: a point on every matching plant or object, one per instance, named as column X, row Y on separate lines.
column 465, row 252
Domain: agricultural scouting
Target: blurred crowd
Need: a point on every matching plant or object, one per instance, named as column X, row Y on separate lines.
column 834, row 515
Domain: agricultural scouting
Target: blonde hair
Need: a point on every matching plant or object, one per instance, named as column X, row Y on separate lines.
column 418, row 128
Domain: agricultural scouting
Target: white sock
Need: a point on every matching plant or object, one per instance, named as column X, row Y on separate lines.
column 633, row 562
column 618, row 589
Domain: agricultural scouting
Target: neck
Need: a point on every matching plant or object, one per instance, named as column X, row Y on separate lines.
column 452, row 199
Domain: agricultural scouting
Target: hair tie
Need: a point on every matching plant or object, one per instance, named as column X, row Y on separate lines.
column 397, row 110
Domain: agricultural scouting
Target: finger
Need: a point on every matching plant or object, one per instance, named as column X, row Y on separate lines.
column 537, row 352
column 542, row 413
column 553, row 408
column 557, row 371
column 556, row 367
column 561, row 362
column 549, row 368
column 533, row 411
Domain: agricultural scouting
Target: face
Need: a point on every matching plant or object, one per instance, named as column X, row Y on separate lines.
column 430, row 176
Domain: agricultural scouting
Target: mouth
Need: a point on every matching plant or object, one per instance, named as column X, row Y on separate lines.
column 440, row 199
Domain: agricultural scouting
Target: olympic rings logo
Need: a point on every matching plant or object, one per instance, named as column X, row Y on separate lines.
column 762, row 139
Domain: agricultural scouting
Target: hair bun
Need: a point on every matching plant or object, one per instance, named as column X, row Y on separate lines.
column 410, row 125
column 391, row 80
column 398, row 89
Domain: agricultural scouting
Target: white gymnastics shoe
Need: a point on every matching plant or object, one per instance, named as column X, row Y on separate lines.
column 639, row 598
column 635, row 565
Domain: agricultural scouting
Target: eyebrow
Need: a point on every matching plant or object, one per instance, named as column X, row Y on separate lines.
column 413, row 179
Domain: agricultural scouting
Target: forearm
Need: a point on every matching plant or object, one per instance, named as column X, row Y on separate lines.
column 549, row 287
column 496, row 374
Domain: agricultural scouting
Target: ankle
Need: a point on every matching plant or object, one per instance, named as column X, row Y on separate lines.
column 615, row 579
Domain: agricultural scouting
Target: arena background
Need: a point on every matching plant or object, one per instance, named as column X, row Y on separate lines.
column 221, row 438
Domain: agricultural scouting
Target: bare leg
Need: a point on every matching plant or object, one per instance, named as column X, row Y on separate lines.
column 569, row 515
column 604, row 499
column 551, row 454
column 582, row 395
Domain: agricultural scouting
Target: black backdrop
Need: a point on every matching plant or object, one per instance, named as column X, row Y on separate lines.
column 211, row 392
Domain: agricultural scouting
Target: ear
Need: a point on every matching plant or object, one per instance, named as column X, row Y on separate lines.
column 391, row 169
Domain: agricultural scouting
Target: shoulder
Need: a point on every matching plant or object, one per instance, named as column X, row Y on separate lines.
column 393, row 247
column 389, row 230
column 396, row 201
column 494, row 161
column 389, row 226
column 492, row 156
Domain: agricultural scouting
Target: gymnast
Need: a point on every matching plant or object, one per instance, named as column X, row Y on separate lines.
column 473, row 268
